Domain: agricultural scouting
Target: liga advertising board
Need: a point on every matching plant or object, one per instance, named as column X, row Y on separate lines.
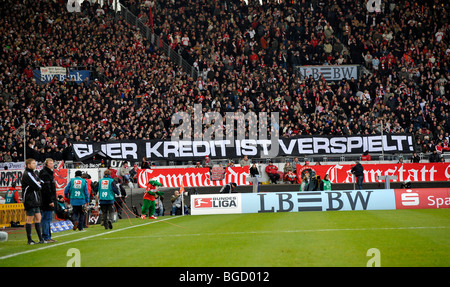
column 293, row 201
column 405, row 171
column 216, row 204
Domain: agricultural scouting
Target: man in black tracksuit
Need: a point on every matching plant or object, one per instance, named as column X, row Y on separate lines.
column 358, row 171
column 48, row 198
column 31, row 194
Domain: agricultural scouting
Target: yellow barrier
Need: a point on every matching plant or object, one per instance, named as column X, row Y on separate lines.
column 12, row 212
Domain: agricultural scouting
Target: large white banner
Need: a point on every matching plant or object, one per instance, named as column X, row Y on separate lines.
column 196, row 150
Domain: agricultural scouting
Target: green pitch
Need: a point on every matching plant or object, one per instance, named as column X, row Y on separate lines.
column 341, row 238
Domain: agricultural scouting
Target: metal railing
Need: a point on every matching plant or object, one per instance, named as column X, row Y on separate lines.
column 156, row 41
column 313, row 159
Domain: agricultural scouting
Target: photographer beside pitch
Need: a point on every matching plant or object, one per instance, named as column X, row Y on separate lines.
column 106, row 190
column 77, row 191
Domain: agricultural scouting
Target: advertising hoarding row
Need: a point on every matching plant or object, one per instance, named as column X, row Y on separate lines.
column 376, row 199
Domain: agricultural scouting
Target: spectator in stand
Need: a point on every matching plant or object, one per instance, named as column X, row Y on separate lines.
column 145, row 164
column 245, row 161
column 288, row 173
column 415, row 158
column 207, row 162
column 434, row 157
column 124, row 171
column 295, row 162
column 113, row 172
column 134, row 173
column 366, row 156
column 254, row 172
column 272, row 172
column 438, row 148
column 445, row 145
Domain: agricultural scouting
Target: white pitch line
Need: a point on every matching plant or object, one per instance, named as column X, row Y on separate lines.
column 216, row 234
column 279, row 231
column 51, row 245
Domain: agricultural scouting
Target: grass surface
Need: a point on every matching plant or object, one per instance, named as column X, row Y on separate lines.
column 341, row 238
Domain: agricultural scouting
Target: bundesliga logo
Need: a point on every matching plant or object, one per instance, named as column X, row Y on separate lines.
column 215, row 202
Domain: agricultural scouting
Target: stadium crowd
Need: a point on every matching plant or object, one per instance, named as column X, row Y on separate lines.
column 246, row 57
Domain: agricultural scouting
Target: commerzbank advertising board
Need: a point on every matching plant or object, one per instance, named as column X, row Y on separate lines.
column 377, row 199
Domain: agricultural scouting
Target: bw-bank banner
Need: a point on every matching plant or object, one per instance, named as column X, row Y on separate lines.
column 196, row 150
column 78, row 76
